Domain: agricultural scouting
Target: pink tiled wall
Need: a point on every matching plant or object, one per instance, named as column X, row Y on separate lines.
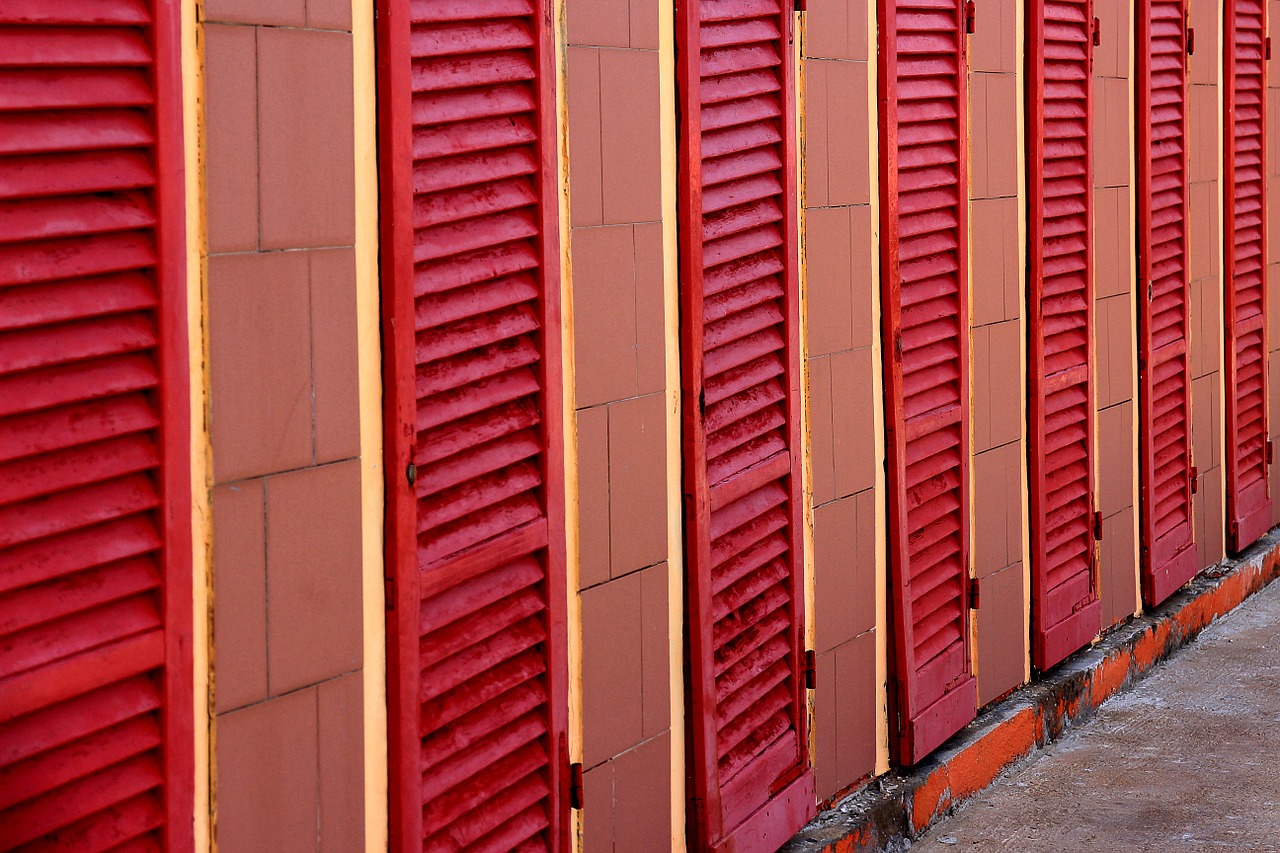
column 996, row 297
column 1205, row 262
column 1116, row 326
column 840, row 251
column 615, row 177
column 284, row 421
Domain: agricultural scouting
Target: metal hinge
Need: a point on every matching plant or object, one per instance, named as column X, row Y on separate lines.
column 810, row 669
column 575, row 786
column 1146, row 557
column 1271, row 452
column 389, row 593
column 702, row 401
column 975, row 593
column 970, row 17
column 897, row 345
column 1195, row 479
column 1097, row 525
column 802, row 5
column 1266, row 47
column 1097, row 32
column 1191, row 34
column 411, row 473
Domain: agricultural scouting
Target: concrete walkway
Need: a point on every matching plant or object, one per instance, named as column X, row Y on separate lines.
column 1187, row 759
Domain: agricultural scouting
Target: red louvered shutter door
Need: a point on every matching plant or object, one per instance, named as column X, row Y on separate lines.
column 924, row 260
column 739, row 289
column 1164, row 376
column 1245, row 229
column 477, row 658
column 96, row 712
column 1066, row 612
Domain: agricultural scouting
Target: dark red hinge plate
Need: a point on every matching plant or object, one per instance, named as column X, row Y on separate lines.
column 810, row 669
column 575, row 786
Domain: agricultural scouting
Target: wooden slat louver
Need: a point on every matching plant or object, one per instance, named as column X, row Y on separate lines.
column 924, row 260
column 1244, row 232
column 739, row 292
column 477, row 662
column 1164, row 376
column 96, row 713
column 1066, row 611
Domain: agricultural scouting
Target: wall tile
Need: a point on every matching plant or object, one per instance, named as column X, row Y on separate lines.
column 239, row 594
column 980, row 386
column 334, row 359
column 582, row 92
column 593, row 495
column 231, row 129
column 987, row 285
column 612, row 668
column 817, row 122
column 1005, row 378
column 598, row 821
column 656, row 655
column 848, row 139
column 1113, row 145
column 856, row 451
column 642, row 797
column 651, row 320
column 604, row 309
column 341, row 760
column 632, row 151
column 276, row 13
column 637, row 483
column 329, row 14
column 1115, row 458
column 979, row 174
column 826, row 770
column 644, row 25
column 837, row 30
column 307, row 144
column 1002, row 135
column 830, row 280
column 261, row 416
column 599, row 22
column 845, row 723
column 1002, row 633
column 1210, row 519
column 990, row 511
column 1119, row 570
column 844, row 569
column 856, row 708
column 268, row 777
column 866, row 260
column 821, row 430
column 314, row 627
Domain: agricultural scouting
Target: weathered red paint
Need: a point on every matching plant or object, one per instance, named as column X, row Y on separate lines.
column 1245, row 271
column 1065, row 609
column 752, row 786
column 925, row 321
column 96, row 704
column 477, row 656
column 1164, row 374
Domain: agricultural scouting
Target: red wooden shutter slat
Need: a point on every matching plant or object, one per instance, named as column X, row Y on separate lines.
column 1164, row 374
column 1065, row 609
column 752, row 784
column 477, row 662
column 95, row 684
column 924, row 259
column 1245, row 304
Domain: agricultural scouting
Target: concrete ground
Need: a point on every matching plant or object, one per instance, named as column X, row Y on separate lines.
column 1187, row 759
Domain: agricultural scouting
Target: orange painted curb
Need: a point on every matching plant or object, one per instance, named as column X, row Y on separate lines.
column 904, row 804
